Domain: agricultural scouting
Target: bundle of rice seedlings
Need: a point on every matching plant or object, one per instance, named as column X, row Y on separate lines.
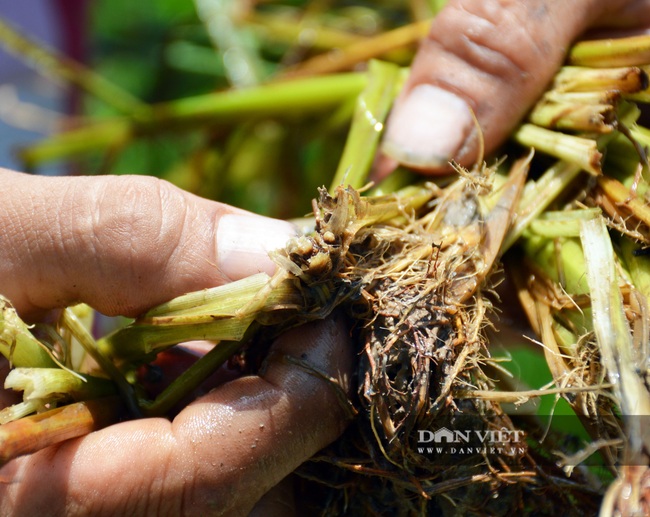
column 417, row 268
column 583, row 287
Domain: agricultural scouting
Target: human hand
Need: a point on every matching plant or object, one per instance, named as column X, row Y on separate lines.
column 123, row 244
column 489, row 59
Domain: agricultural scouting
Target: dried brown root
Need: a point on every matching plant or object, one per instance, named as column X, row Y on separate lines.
column 415, row 288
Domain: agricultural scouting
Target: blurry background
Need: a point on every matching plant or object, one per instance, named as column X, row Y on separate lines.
column 166, row 50
column 28, row 104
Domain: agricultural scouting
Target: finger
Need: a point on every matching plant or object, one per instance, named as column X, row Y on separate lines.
column 121, row 244
column 484, row 62
column 277, row 502
column 219, row 456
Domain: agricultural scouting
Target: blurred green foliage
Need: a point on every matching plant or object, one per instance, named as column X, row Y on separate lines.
column 171, row 49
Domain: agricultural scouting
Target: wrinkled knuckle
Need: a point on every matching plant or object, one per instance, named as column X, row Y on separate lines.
column 491, row 37
column 129, row 217
column 134, row 226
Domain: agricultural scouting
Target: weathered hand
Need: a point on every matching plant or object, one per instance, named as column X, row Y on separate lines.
column 219, row 456
column 489, row 59
column 123, row 244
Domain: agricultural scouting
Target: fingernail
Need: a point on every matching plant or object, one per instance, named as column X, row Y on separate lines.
column 244, row 243
column 428, row 127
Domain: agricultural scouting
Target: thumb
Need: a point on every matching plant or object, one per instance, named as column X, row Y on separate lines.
column 485, row 62
column 121, row 243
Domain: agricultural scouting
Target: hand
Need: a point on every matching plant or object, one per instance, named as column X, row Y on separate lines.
column 489, row 59
column 123, row 244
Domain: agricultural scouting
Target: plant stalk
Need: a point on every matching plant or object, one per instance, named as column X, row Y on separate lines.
column 280, row 99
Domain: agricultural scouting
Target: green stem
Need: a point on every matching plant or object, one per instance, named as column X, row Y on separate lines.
column 279, row 99
column 561, row 259
column 96, row 136
column 137, row 342
column 538, row 195
column 627, row 80
column 218, row 302
column 631, row 51
column 190, row 379
column 579, row 151
column 574, row 116
column 222, row 313
column 77, row 329
column 371, row 111
column 588, row 97
column 294, row 98
column 563, row 223
column 17, row 343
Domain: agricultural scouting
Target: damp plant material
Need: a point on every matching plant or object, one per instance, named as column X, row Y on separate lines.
column 612, row 331
column 582, row 287
column 587, row 304
column 426, row 312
